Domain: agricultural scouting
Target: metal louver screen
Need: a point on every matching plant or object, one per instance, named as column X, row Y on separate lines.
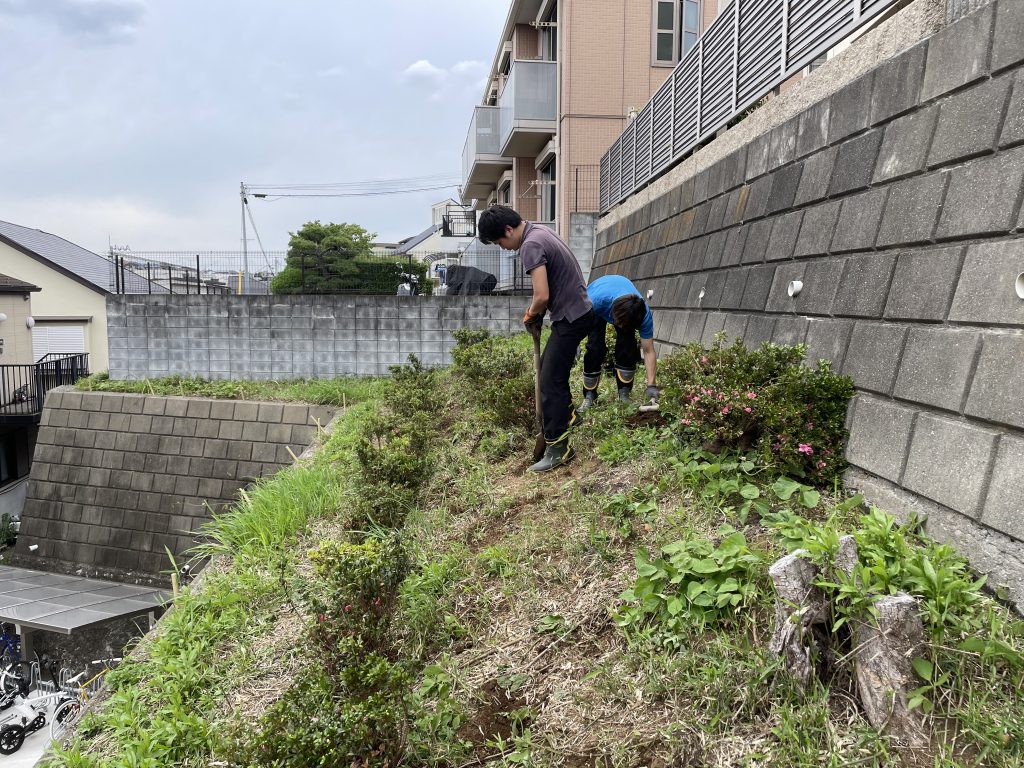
column 57, row 339
column 727, row 71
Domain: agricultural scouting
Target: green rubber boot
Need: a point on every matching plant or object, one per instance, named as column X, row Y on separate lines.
column 555, row 455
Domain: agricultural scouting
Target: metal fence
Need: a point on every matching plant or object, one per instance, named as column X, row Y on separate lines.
column 23, row 387
column 477, row 270
column 751, row 48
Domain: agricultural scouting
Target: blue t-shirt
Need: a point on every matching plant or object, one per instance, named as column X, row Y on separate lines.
column 605, row 290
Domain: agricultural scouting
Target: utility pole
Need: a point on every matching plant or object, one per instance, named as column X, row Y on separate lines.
column 245, row 247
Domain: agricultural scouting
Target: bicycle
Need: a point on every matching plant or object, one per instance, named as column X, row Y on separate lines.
column 10, row 656
column 29, row 715
column 67, row 713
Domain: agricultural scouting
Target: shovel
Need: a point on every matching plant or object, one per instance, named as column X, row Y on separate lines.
column 541, row 444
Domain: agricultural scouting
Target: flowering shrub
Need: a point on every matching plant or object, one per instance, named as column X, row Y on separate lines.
column 730, row 397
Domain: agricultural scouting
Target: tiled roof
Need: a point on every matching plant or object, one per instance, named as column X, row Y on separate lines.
column 87, row 267
column 14, row 285
column 412, row 242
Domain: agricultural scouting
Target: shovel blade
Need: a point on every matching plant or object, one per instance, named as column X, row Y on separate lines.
column 539, row 446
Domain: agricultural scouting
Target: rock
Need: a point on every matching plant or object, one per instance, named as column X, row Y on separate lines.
column 846, row 556
column 800, row 607
column 885, row 649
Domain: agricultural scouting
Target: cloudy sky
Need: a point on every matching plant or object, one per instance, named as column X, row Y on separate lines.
column 133, row 121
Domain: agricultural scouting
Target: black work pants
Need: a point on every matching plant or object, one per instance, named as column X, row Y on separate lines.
column 627, row 350
column 555, row 367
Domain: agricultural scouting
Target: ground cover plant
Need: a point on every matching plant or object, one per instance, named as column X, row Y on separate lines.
column 410, row 597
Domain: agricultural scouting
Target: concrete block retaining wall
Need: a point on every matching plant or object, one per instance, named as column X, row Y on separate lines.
column 288, row 337
column 896, row 202
column 119, row 477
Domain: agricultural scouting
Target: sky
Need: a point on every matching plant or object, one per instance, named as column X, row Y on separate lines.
column 132, row 122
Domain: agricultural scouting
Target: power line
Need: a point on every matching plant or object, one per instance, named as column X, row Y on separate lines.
column 272, row 197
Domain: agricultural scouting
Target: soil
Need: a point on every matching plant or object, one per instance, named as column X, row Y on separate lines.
column 646, row 419
column 491, row 719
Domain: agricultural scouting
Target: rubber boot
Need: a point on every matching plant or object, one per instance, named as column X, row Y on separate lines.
column 555, row 455
column 624, row 379
column 590, row 384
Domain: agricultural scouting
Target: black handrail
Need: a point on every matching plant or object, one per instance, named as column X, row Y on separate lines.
column 23, row 388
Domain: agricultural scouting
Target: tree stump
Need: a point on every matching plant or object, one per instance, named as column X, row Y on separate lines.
column 799, row 608
column 885, row 675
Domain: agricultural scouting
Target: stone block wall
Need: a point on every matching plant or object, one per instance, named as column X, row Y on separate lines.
column 116, row 478
column 289, row 337
column 896, row 202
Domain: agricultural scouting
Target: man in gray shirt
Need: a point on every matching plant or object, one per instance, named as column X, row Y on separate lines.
column 558, row 288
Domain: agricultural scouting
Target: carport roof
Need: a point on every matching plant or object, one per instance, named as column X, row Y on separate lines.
column 58, row 603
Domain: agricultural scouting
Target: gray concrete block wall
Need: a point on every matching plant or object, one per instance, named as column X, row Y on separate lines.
column 116, row 478
column 291, row 337
column 897, row 202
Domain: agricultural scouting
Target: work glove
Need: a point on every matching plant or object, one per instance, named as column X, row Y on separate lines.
column 652, row 392
column 533, row 323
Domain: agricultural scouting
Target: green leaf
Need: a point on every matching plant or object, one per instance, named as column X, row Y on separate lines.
column 705, row 565
column 695, row 588
column 923, row 668
column 750, row 491
column 784, row 488
column 674, row 606
column 809, row 498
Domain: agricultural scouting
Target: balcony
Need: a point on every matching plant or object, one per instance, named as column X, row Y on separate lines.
column 482, row 163
column 529, row 108
column 23, row 388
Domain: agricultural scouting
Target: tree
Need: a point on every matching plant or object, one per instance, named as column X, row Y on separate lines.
column 324, row 258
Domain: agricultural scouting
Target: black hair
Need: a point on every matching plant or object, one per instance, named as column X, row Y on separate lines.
column 493, row 221
column 629, row 312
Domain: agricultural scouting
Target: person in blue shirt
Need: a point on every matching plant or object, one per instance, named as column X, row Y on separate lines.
column 617, row 301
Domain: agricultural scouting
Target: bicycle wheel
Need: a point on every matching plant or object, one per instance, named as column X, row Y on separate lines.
column 12, row 674
column 65, row 716
column 11, row 739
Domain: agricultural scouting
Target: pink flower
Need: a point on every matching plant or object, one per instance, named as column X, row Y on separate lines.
column 686, row 421
column 752, row 395
column 725, row 410
column 805, row 448
column 704, row 358
column 820, row 465
column 776, row 446
column 747, row 409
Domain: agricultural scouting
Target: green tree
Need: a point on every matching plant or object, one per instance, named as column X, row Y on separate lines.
column 324, row 258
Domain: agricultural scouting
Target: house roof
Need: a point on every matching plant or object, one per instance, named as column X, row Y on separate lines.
column 89, row 269
column 14, row 285
column 410, row 243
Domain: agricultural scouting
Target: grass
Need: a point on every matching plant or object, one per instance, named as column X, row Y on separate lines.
column 508, row 621
column 335, row 392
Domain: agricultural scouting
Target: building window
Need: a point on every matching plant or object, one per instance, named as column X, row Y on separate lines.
column 675, row 30
column 549, row 37
column 547, row 192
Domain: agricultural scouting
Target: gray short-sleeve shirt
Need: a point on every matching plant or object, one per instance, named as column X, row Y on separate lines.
column 568, row 298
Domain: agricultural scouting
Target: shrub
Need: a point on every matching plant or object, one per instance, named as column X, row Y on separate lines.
column 729, row 397
column 497, row 376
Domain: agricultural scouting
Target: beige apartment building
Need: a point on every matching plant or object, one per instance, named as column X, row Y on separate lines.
column 565, row 79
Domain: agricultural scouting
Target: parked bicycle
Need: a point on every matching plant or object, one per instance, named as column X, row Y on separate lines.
column 67, row 713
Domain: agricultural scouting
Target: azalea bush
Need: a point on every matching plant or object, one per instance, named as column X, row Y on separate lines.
column 764, row 399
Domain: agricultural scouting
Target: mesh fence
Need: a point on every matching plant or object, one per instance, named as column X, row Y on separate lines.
column 478, row 270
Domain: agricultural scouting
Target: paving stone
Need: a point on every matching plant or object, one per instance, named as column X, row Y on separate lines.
column 827, row 340
column 817, row 229
column 864, row 285
column 759, row 283
column 873, row 355
column 969, row 122
column 757, row 197
column 848, row 114
column 897, row 85
column 782, row 242
column 784, row 186
column 858, row 222
column 732, row 293
column 936, row 367
column 713, row 325
column 923, row 284
column 757, row 241
column 735, row 241
column 997, row 392
column 1005, row 498
column 790, row 330
column 905, row 147
column 757, row 156
column 1008, row 42
column 958, row 54
column 779, row 299
column 855, row 162
column 939, row 444
column 760, row 329
column 879, row 436
column 821, row 282
column 912, row 209
column 982, row 196
column 734, row 327
column 782, row 144
column 1013, row 125
column 816, row 176
column 813, row 133
column 986, row 290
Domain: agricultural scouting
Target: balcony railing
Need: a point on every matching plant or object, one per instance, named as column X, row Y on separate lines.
column 529, row 107
column 23, row 387
column 482, row 163
column 751, row 48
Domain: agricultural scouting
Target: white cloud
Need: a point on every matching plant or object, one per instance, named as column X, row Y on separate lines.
column 423, row 69
column 469, row 68
column 91, row 21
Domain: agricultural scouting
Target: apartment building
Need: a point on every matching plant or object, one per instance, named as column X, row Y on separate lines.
column 566, row 76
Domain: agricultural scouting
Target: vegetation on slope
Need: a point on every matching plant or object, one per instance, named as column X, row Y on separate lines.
column 409, row 596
